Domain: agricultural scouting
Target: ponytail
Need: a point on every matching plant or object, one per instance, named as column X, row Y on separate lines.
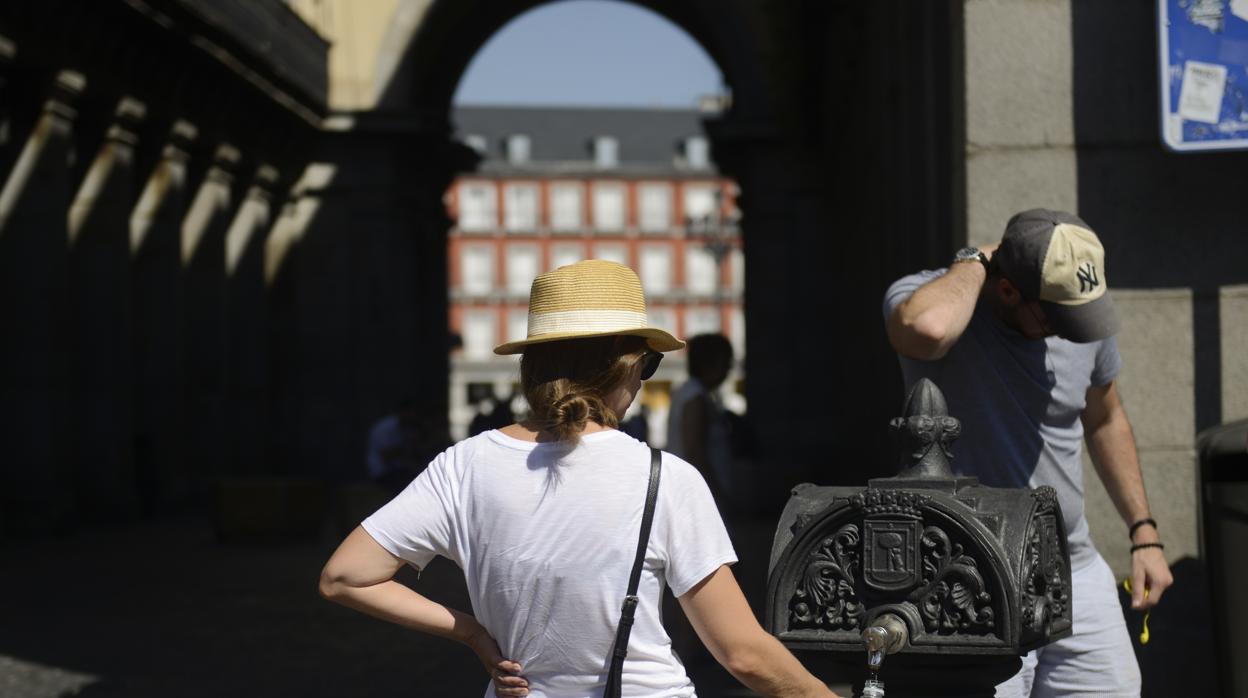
column 567, row 383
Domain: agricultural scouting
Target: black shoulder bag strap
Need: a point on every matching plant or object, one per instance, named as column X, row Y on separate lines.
column 630, row 601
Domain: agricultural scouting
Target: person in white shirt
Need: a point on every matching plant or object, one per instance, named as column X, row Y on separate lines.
column 697, row 424
column 543, row 518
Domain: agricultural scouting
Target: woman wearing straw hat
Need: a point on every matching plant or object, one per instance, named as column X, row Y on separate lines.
column 554, row 523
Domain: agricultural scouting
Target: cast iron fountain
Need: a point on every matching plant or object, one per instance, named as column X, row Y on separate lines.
column 954, row 579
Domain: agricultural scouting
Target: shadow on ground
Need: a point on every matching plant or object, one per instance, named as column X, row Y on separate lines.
column 159, row 609
column 163, row 609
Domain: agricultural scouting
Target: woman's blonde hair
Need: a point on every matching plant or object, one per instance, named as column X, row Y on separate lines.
column 566, row 383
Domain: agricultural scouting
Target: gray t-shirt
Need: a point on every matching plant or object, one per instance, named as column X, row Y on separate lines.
column 1020, row 402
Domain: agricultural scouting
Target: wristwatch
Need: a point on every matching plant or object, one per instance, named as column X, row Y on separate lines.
column 971, row 254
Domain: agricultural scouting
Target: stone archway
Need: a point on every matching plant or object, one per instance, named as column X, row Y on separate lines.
column 431, row 43
column 844, row 135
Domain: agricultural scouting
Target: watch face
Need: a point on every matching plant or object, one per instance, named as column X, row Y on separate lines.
column 967, row 254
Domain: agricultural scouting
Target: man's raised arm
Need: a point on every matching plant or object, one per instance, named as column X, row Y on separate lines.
column 926, row 325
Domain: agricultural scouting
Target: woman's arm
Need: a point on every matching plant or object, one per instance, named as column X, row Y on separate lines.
column 721, row 616
column 360, row 575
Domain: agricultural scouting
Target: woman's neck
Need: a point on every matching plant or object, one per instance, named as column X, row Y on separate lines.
column 526, row 432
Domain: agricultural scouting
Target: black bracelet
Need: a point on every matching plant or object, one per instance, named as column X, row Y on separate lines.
column 1136, row 526
column 1141, row 546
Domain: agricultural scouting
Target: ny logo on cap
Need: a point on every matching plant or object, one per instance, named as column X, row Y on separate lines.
column 1087, row 277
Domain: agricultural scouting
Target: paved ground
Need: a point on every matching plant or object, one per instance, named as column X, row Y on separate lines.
column 164, row 610
column 161, row 609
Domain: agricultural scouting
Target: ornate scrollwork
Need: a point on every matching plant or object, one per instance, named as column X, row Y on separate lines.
column 1046, row 499
column 878, row 501
column 953, row 598
column 1043, row 575
column 827, row 595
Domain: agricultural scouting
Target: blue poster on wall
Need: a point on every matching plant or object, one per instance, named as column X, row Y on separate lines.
column 1204, row 74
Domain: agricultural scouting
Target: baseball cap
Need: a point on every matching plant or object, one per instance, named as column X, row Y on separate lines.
column 1054, row 257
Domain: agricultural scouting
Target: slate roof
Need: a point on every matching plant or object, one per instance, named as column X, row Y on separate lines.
column 562, row 137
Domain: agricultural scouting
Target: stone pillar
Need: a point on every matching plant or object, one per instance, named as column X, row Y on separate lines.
column 246, row 334
column 156, row 306
column 371, row 287
column 8, row 50
column 358, row 293
column 792, row 348
column 281, row 256
column 99, row 243
column 203, row 320
column 35, row 493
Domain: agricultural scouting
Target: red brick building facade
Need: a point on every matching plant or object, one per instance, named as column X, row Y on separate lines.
column 556, row 186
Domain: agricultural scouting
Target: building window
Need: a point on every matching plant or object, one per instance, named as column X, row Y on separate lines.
column 606, row 152
column 701, row 321
column 477, row 142
column 563, row 255
column 477, row 268
column 736, row 333
column 655, row 202
column 609, row 207
column 736, row 263
column 699, row 201
column 520, row 207
column 517, row 324
column 611, row 252
column 662, row 318
column 697, row 152
column 518, row 149
column 701, row 272
column 566, row 203
column 478, row 392
column 480, row 327
column 656, row 268
column 478, row 206
column 522, row 267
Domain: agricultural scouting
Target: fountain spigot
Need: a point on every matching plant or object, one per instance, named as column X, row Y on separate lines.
column 886, row 635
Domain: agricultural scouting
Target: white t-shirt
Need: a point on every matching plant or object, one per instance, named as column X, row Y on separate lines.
column 546, row 538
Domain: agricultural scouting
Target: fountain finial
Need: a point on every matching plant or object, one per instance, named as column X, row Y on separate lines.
column 925, row 433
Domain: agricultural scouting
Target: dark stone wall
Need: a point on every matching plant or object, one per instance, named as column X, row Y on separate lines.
column 358, row 306
column 1168, row 220
column 114, row 398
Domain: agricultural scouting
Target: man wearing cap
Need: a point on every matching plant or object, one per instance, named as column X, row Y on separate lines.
column 1020, row 337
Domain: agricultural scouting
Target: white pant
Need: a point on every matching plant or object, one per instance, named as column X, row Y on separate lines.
column 1096, row 660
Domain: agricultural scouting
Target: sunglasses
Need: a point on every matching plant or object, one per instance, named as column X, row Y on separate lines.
column 650, row 364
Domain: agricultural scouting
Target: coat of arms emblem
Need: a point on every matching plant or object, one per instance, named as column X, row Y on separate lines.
column 892, row 560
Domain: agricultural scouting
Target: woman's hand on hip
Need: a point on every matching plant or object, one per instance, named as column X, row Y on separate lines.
column 503, row 672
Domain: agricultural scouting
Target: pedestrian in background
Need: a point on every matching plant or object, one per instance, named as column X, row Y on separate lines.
column 698, row 428
column 1020, row 337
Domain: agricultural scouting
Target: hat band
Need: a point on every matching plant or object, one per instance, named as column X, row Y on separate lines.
column 597, row 320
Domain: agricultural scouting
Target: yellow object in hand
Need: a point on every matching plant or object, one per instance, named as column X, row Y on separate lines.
column 1126, row 584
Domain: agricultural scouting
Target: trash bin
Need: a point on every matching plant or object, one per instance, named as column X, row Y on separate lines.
column 1224, row 498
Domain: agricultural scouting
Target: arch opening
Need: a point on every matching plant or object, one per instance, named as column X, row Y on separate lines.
column 590, row 146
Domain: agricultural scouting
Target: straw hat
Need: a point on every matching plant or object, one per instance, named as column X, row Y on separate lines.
column 593, row 298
